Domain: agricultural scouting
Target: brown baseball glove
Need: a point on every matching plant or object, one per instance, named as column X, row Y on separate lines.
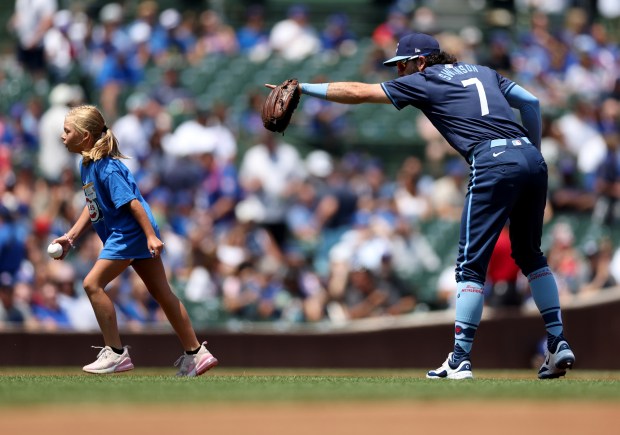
column 280, row 105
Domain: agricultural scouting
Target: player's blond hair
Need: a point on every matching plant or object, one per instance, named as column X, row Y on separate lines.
column 89, row 119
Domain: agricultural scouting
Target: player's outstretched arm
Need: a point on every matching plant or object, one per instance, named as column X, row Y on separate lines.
column 345, row 92
column 349, row 92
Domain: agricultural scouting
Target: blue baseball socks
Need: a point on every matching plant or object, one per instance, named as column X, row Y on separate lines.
column 469, row 303
column 545, row 293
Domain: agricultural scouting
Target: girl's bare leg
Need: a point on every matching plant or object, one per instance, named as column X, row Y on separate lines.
column 95, row 282
column 153, row 274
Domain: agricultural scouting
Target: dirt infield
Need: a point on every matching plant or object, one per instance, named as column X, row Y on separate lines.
column 386, row 418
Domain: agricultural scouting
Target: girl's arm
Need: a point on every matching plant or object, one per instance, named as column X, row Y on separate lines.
column 74, row 233
column 155, row 245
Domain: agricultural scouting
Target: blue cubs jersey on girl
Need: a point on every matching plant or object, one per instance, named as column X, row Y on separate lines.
column 464, row 102
column 109, row 186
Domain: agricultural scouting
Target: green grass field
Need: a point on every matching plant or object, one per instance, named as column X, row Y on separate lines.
column 32, row 386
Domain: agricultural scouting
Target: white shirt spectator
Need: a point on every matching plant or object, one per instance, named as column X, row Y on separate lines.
column 57, row 44
column 225, row 142
column 584, row 142
column 53, row 157
column 293, row 37
column 31, row 20
column 268, row 174
column 131, row 132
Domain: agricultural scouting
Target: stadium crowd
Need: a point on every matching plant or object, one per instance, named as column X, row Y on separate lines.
column 254, row 229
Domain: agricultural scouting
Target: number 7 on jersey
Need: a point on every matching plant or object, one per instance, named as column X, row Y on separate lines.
column 484, row 106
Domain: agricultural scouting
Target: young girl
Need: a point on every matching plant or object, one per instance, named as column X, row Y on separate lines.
column 124, row 222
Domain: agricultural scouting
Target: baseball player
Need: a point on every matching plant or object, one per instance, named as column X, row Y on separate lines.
column 471, row 106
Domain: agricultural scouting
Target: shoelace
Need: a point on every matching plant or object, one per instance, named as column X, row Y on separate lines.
column 183, row 361
column 105, row 351
column 102, row 351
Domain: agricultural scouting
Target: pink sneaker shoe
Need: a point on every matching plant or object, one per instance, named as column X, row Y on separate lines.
column 109, row 361
column 196, row 365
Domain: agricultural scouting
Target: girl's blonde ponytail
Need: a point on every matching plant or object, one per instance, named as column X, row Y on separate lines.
column 89, row 119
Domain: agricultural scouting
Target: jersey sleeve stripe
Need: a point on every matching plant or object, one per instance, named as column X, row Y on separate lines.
column 389, row 96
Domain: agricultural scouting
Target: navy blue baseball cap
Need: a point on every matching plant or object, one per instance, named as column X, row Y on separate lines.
column 412, row 46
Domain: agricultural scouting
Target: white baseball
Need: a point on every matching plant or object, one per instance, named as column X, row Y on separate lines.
column 54, row 250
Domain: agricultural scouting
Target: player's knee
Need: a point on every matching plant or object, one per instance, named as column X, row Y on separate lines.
column 530, row 264
column 91, row 287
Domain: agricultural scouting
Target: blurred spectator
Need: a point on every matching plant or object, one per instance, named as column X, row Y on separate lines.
column 327, row 121
column 20, row 133
column 368, row 295
column 268, row 172
column 607, row 208
column 565, row 260
column 447, row 192
column 259, row 243
column 30, row 22
column 147, row 12
column 410, row 202
column 219, row 190
column 294, row 38
column 498, row 55
column 250, row 120
column 599, row 254
column 373, row 67
column 308, row 295
column 207, row 130
column 503, row 275
column 446, row 289
column 214, row 37
column 566, row 188
column 240, row 292
column 60, row 54
column 337, row 36
column 14, row 231
column 133, row 130
column 387, row 34
column 116, row 57
column 585, row 78
column 301, row 222
column 218, row 126
column 253, row 35
column 579, row 129
column 136, row 304
column 334, row 209
column 173, row 37
column 76, row 305
column 363, row 297
column 170, row 93
column 608, row 8
column 47, row 309
column 412, row 253
column 12, row 313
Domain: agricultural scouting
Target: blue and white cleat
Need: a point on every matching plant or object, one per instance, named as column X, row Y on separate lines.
column 452, row 370
column 557, row 362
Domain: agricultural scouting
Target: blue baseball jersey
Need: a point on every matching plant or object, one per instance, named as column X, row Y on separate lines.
column 109, row 186
column 464, row 102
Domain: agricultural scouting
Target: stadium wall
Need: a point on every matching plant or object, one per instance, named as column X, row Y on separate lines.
column 506, row 340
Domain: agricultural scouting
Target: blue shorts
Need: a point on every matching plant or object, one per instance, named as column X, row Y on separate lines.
column 126, row 246
column 507, row 182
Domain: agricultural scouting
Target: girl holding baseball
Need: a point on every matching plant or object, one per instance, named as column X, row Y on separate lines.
column 124, row 222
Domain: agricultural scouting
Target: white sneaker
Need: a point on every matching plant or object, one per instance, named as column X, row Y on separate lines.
column 109, row 361
column 196, row 365
column 556, row 363
column 452, row 370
